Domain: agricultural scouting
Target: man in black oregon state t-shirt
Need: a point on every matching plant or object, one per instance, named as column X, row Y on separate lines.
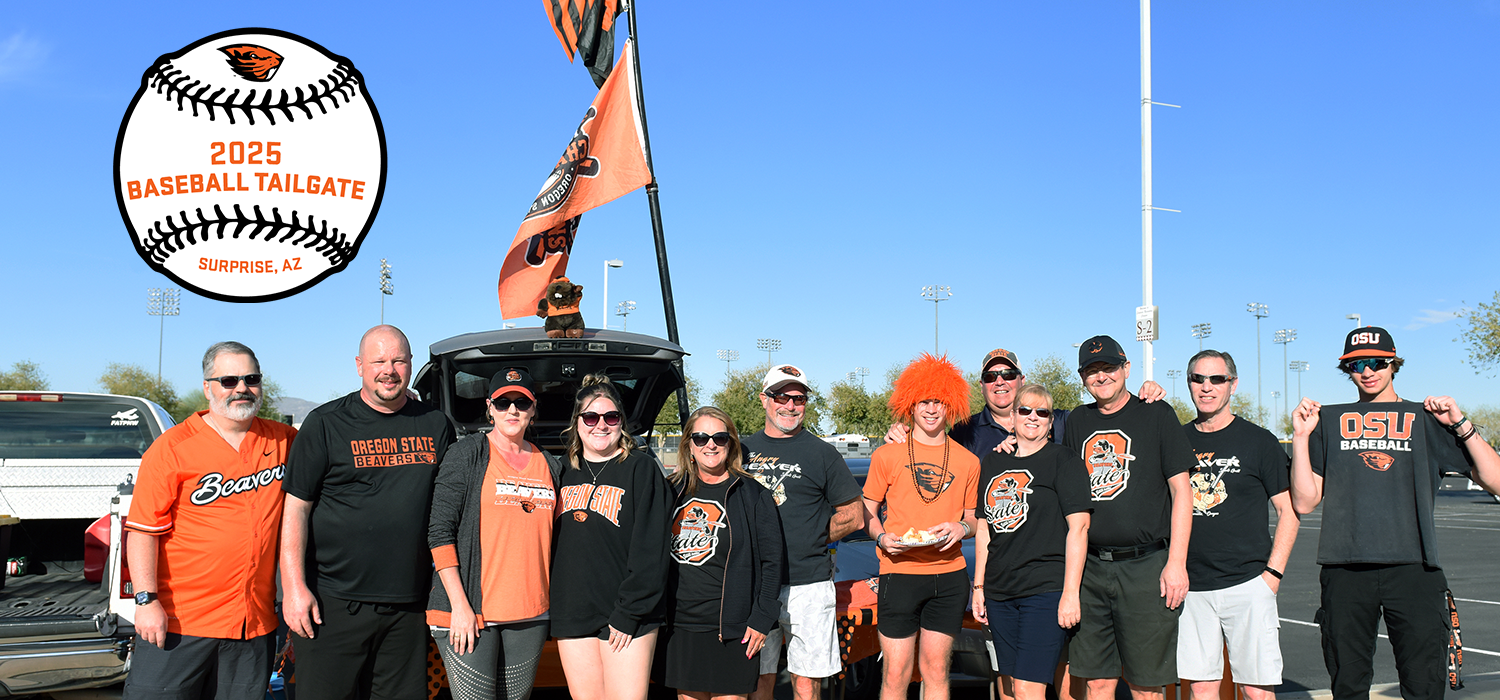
column 819, row 502
column 1376, row 466
column 1136, row 575
column 355, row 567
column 1234, row 565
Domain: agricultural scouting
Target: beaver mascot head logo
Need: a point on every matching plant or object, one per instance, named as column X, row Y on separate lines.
column 1379, row 461
column 251, row 62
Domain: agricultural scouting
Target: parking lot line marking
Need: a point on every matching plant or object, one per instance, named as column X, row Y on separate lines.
column 1463, row 527
column 1467, row 649
column 1472, row 600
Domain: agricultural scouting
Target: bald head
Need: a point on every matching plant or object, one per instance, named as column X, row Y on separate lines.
column 384, row 366
column 384, row 335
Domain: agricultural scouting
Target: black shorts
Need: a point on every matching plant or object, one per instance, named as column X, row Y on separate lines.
column 909, row 602
column 644, row 629
column 699, row 662
column 1028, row 640
column 193, row 667
column 366, row 650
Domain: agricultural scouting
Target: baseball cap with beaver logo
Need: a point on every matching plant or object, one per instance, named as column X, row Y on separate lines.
column 782, row 375
column 512, row 379
column 1100, row 348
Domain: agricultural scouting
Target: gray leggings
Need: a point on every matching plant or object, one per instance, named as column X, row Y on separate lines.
column 515, row 648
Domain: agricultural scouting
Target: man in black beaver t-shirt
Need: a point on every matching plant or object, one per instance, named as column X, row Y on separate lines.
column 1376, row 466
column 355, row 567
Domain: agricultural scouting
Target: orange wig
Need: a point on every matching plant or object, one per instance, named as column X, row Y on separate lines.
column 930, row 378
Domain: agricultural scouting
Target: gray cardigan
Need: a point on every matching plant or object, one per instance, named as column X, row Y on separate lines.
column 455, row 515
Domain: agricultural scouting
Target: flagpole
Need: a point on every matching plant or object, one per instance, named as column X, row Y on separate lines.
column 654, row 201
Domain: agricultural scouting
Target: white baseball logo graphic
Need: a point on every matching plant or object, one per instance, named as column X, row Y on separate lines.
column 250, row 165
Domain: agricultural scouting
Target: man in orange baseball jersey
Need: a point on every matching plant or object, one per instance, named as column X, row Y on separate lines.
column 1376, row 466
column 206, row 519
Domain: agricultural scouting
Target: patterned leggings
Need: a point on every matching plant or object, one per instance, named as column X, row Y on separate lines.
column 476, row 675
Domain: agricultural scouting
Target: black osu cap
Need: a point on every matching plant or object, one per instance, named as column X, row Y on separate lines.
column 1370, row 341
column 1100, row 348
column 510, row 379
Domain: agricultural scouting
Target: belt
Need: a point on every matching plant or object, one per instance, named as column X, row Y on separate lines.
column 1126, row 553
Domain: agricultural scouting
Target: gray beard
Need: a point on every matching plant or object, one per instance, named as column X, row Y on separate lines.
column 238, row 412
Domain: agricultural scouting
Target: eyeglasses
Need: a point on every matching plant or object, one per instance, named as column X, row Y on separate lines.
column 1040, row 412
column 503, row 403
column 720, row 438
column 1359, row 366
column 230, row 381
column 780, row 398
column 1008, row 374
column 1215, row 379
column 591, row 419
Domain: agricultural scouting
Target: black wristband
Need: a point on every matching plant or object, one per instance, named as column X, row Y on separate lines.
column 1273, row 572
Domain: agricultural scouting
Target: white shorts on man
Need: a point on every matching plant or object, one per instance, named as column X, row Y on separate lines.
column 808, row 615
column 1244, row 616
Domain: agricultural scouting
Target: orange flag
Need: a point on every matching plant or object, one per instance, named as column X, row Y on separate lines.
column 605, row 159
column 586, row 27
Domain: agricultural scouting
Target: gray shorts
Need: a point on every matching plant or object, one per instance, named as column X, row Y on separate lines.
column 1244, row 616
column 193, row 667
column 1125, row 623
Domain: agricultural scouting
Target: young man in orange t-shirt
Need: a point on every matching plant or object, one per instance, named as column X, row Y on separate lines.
column 928, row 486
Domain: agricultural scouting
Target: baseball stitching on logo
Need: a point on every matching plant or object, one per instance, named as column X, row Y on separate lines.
column 178, row 86
column 162, row 241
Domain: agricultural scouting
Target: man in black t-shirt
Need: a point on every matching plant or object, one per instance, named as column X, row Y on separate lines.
column 819, row 502
column 1376, row 466
column 1136, row 576
column 1234, row 566
column 355, row 567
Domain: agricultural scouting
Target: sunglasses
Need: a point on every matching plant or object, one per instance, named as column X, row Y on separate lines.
column 1215, row 379
column 720, row 438
column 1006, row 374
column 780, row 398
column 1359, row 366
column 1040, row 412
column 503, row 403
column 230, row 381
column 591, row 419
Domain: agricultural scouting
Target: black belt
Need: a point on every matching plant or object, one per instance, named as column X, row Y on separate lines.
column 1126, row 553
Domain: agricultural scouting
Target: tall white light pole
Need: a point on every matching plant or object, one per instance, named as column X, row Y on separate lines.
column 1201, row 331
column 604, row 318
column 387, row 288
column 936, row 293
column 1355, row 318
column 1261, row 311
column 1174, row 374
column 728, row 357
column 1284, row 337
column 1147, row 310
column 1300, row 366
column 163, row 303
column 862, row 372
column 623, row 310
column 769, row 345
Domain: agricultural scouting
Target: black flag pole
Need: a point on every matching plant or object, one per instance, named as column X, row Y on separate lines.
column 654, row 200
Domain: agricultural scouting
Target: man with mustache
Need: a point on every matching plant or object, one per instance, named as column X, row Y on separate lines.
column 205, row 518
column 355, row 567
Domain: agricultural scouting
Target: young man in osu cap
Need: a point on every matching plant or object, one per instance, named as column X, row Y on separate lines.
column 1376, row 466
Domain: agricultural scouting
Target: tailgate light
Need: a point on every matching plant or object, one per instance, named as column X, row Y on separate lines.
column 51, row 398
column 598, row 347
column 541, row 347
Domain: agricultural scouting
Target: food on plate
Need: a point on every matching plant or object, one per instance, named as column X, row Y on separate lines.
column 915, row 536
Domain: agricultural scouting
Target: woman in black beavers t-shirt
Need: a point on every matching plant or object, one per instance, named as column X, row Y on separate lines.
column 609, row 561
column 1030, row 548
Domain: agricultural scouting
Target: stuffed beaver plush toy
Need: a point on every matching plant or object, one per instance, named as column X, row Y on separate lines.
column 559, row 305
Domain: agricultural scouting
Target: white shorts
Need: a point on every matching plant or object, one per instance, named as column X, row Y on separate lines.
column 807, row 616
column 1244, row 616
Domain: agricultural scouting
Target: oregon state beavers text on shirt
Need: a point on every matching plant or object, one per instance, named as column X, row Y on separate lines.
column 392, row 452
column 1376, row 430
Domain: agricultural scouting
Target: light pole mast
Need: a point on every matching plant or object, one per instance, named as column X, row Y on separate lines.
column 1147, row 310
column 1260, row 311
column 728, row 357
column 769, row 345
column 387, row 288
column 1201, row 331
column 163, row 303
column 1284, row 337
column 1299, row 366
column 936, row 294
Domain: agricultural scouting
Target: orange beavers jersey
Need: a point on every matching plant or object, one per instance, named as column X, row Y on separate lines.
column 217, row 516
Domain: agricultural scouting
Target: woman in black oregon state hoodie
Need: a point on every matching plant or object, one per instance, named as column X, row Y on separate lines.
column 727, row 556
column 609, row 561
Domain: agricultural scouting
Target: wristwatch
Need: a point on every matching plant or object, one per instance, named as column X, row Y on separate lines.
column 145, row 598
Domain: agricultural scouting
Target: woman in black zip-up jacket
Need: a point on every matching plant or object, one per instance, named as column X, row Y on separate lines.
column 727, row 557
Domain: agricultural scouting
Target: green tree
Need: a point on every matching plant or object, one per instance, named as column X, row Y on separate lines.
column 193, row 401
column 852, row 409
column 134, row 380
column 1243, row 405
column 667, row 421
column 1481, row 332
column 740, row 398
column 1063, row 383
column 24, row 376
column 1186, row 412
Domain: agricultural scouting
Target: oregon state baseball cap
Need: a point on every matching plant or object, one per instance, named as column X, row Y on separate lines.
column 1000, row 355
column 782, row 375
column 515, row 379
column 1100, row 348
column 1370, row 341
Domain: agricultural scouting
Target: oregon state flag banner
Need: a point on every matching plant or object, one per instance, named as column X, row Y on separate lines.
column 587, row 28
column 605, row 159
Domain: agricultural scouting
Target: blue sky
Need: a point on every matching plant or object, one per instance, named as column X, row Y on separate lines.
column 819, row 164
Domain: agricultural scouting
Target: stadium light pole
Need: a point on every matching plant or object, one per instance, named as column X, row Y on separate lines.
column 1283, row 338
column 1174, row 374
column 1260, row 311
column 623, row 310
column 728, row 357
column 1299, row 366
column 1146, row 205
column 936, row 293
column 1355, row 318
column 1201, row 331
column 387, row 287
column 604, row 320
column 769, row 345
column 163, row 303
column 862, row 372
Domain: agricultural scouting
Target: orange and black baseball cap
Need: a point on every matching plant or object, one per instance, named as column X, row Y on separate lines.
column 512, row 379
column 1100, row 348
column 1370, row 341
column 1000, row 355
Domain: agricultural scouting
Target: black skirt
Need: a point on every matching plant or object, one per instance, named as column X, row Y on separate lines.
column 699, row 662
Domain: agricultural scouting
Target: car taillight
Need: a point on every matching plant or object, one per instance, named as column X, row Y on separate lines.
column 30, row 397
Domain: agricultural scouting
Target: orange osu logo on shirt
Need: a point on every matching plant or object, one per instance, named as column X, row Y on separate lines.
column 1379, row 461
column 1107, row 455
column 695, row 531
column 1005, row 502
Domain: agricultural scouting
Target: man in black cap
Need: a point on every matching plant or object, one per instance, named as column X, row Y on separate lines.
column 1379, row 463
column 1135, row 579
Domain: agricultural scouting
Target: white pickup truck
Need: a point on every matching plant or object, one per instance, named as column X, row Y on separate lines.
column 64, row 458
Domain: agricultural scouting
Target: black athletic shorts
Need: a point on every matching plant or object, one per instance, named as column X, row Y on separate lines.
column 909, row 602
column 365, row 650
column 193, row 667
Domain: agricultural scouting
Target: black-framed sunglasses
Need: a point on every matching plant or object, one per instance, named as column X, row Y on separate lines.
column 1008, row 374
column 720, row 438
column 780, row 398
column 503, row 403
column 591, row 418
column 230, row 381
column 1359, row 366
column 1040, row 412
column 1215, row 379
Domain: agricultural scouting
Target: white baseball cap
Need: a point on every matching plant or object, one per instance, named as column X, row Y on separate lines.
column 782, row 375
